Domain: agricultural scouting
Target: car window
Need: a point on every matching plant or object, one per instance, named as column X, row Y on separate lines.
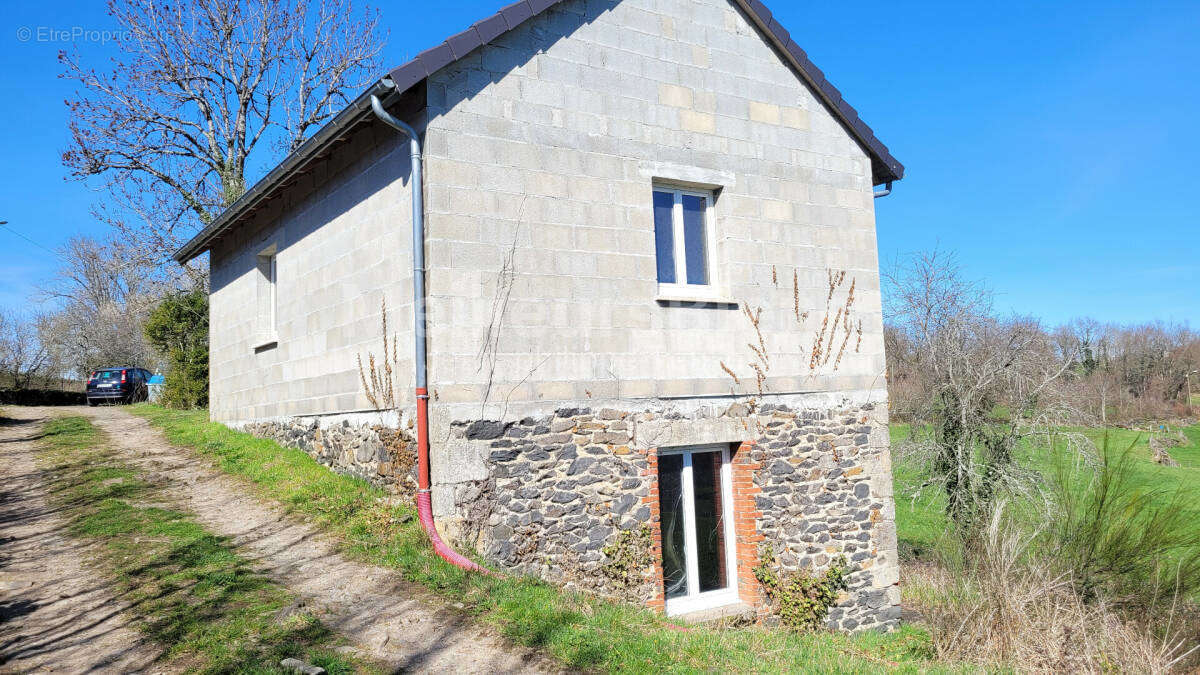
column 105, row 375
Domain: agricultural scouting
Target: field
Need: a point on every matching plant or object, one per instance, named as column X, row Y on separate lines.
column 921, row 524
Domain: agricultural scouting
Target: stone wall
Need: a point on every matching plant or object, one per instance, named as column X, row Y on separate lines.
column 818, row 504
column 381, row 455
column 570, row 498
column 561, row 491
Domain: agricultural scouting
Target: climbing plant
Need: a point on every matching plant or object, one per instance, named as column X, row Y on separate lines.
column 629, row 556
column 803, row 599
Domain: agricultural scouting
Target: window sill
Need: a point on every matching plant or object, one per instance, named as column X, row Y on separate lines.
column 265, row 344
column 672, row 299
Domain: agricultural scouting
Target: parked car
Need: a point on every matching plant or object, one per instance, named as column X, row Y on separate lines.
column 117, row 385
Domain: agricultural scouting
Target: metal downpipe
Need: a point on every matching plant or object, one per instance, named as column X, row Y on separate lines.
column 424, row 505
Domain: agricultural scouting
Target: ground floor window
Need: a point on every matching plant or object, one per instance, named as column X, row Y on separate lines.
column 695, row 490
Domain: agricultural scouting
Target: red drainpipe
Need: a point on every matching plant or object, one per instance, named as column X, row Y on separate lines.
column 424, row 505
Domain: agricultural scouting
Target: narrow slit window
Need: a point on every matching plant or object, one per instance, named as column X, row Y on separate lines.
column 267, row 298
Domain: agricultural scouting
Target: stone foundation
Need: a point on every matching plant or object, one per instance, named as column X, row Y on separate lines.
column 381, row 455
column 819, row 500
column 561, row 491
column 571, row 497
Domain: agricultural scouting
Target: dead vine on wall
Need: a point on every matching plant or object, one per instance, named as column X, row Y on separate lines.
column 828, row 344
column 377, row 376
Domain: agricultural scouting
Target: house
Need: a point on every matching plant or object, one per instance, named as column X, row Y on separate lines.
column 654, row 350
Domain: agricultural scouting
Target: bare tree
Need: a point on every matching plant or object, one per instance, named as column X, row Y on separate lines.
column 986, row 383
column 177, row 122
column 23, row 356
column 103, row 293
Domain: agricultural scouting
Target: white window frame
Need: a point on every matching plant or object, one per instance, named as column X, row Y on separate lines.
column 681, row 290
column 696, row 601
column 267, row 328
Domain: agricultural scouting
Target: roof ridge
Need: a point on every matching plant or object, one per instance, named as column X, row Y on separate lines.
column 885, row 167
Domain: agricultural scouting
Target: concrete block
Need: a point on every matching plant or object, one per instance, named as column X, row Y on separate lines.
column 765, row 113
column 702, row 123
column 673, row 95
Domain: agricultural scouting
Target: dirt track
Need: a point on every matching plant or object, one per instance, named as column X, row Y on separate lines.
column 388, row 618
column 55, row 613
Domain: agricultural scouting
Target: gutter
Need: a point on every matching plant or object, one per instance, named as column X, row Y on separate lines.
column 424, row 504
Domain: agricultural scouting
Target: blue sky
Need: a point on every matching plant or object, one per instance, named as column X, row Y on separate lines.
column 1050, row 145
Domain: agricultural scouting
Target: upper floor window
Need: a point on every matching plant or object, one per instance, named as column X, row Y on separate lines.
column 683, row 241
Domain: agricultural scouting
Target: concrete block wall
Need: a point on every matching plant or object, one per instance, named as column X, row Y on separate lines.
column 343, row 246
column 543, row 150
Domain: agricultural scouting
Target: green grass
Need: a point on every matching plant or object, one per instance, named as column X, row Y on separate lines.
column 187, row 588
column 922, row 526
column 581, row 631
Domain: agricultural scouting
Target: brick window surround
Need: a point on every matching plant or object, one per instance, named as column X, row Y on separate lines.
column 745, row 520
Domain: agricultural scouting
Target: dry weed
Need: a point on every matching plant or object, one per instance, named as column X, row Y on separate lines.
column 1012, row 609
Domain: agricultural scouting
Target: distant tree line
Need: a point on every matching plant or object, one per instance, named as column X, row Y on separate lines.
column 979, row 388
column 1097, row 372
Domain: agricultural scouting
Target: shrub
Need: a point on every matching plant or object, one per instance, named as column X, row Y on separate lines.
column 178, row 329
column 1133, row 544
column 41, row 397
column 1013, row 607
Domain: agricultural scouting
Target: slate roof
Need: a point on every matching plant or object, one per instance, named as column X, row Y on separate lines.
column 884, row 167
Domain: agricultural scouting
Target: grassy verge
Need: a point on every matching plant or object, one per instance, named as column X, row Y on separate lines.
column 189, row 591
column 581, row 631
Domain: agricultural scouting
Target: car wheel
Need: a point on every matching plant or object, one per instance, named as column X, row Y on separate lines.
column 91, row 403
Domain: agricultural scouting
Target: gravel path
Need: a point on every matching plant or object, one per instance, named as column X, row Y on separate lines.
column 388, row 618
column 56, row 614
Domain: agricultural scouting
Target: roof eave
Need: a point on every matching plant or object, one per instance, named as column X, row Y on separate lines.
column 884, row 167
column 325, row 138
column 881, row 158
